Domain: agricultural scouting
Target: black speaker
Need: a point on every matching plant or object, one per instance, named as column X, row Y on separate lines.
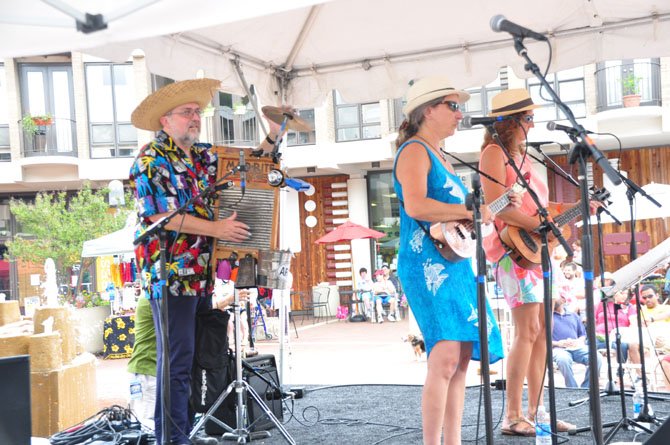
column 15, row 421
column 661, row 436
column 260, row 372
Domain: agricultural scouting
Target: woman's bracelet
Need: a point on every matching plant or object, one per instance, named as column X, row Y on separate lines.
column 269, row 141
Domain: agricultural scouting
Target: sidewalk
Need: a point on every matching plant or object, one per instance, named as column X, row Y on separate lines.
column 333, row 353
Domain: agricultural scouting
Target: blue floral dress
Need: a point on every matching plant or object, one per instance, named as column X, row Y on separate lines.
column 441, row 294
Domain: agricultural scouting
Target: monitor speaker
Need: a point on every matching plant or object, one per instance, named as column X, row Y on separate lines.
column 15, row 422
column 260, row 372
column 661, row 436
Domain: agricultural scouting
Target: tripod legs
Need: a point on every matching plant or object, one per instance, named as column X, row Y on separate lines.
column 241, row 434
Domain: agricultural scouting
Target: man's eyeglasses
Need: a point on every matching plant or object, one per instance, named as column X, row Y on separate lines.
column 188, row 113
column 453, row 106
column 528, row 118
column 644, row 297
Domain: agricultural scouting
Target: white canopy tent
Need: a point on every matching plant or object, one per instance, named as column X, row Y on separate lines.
column 115, row 243
column 302, row 49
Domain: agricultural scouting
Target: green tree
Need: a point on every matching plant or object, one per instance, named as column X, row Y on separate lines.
column 56, row 225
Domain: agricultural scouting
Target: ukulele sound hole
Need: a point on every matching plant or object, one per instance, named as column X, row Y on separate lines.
column 528, row 241
column 460, row 233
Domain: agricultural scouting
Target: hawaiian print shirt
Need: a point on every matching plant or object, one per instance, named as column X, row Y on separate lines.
column 163, row 179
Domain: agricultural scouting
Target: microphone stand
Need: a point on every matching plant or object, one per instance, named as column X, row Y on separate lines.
column 546, row 225
column 580, row 151
column 158, row 228
column 473, row 202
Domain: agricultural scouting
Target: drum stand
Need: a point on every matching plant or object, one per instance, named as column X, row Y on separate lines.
column 242, row 433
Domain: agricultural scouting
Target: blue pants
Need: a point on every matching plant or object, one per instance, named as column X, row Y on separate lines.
column 181, row 336
column 565, row 358
column 624, row 348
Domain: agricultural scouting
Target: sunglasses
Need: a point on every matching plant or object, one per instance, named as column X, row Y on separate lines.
column 645, row 297
column 453, row 106
column 188, row 113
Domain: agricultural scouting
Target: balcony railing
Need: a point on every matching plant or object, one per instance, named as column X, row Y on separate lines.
column 610, row 82
column 57, row 139
column 239, row 130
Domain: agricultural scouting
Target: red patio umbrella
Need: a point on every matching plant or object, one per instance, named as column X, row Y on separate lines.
column 349, row 231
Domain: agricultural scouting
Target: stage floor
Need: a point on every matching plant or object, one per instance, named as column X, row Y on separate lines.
column 391, row 414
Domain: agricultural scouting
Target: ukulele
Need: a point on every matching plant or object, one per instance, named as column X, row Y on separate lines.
column 456, row 240
column 524, row 246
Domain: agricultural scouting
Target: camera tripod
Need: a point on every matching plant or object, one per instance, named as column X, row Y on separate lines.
column 242, row 432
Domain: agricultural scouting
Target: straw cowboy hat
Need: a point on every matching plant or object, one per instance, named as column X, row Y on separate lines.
column 148, row 113
column 511, row 101
column 429, row 88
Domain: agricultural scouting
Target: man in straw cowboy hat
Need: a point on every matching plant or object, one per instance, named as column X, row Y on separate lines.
column 167, row 172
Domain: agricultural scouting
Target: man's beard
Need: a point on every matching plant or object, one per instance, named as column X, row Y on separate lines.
column 188, row 140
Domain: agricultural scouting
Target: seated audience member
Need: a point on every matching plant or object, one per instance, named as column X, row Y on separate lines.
column 222, row 299
column 665, row 366
column 568, row 339
column 385, row 292
column 364, row 293
column 656, row 318
column 572, row 289
column 625, row 312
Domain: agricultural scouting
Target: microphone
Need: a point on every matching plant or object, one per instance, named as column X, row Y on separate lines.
column 243, row 172
column 224, row 186
column 551, row 126
column 499, row 24
column 540, row 143
column 469, row 121
column 297, row 184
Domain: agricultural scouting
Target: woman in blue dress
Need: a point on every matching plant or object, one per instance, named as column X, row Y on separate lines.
column 441, row 294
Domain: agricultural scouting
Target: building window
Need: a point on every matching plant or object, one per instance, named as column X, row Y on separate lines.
column 616, row 78
column 303, row 137
column 4, row 119
column 569, row 85
column 480, row 98
column 384, row 211
column 236, row 121
column 110, row 93
column 47, row 89
column 355, row 122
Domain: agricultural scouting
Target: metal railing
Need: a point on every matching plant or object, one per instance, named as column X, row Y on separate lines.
column 57, row 139
column 238, row 130
column 613, row 81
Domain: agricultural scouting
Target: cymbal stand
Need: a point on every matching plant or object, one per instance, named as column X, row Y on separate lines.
column 242, row 433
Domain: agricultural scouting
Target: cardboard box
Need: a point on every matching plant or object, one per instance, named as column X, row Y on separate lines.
column 63, row 397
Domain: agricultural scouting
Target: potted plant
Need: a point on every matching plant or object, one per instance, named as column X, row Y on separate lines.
column 33, row 125
column 631, row 90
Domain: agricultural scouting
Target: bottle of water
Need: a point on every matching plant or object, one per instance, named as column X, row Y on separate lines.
column 638, row 401
column 542, row 427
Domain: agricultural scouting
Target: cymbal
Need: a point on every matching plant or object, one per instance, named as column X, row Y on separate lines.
column 276, row 115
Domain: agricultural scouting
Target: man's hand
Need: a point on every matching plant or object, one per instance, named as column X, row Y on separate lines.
column 229, row 229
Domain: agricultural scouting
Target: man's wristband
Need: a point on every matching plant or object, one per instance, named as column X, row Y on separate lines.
column 269, row 141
